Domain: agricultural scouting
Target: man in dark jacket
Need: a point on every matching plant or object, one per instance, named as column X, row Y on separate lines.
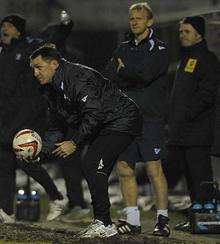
column 139, row 68
column 21, row 107
column 82, row 98
column 192, row 106
column 216, row 144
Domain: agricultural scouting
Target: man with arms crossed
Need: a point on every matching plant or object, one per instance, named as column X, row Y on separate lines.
column 139, row 67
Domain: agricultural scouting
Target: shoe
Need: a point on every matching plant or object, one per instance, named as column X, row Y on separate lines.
column 75, row 215
column 162, row 228
column 56, row 207
column 183, row 226
column 5, row 218
column 125, row 228
column 98, row 229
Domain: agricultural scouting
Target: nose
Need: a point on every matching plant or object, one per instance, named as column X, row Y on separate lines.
column 134, row 22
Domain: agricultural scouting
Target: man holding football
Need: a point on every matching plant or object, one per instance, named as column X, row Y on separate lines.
column 104, row 117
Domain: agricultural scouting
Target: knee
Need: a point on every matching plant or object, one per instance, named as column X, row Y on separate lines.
column 154, row 170
column 124, row 169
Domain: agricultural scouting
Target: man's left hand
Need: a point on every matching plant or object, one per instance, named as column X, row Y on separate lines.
column 65, row 148
column 64, row 17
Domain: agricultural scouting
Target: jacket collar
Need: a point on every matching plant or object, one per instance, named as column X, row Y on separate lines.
column 58, row 78
column 197, row 46
column 145, row 40
column 14, row 42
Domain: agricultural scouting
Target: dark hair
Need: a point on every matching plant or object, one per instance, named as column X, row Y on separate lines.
column 17, row 21
column 47, row 53
column 197, row 22
column 141, row 6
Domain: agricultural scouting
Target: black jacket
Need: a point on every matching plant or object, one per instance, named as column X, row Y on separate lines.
column 192, row 101
column 21, row 105
column 20, row 101
column 82, row 98
column 216, row 143
column 144, row 76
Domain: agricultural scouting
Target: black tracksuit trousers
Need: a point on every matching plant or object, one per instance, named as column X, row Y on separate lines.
column 97, row 166
column 70, row 167
column 8, row 166
column 194, row 162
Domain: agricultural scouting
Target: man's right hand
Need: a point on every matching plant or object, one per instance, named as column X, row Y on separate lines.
column 120, row 65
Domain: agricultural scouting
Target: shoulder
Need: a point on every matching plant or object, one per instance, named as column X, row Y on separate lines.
column 29, row 44
column 79, row 72
column 80, row 79
column 212, row 57
column 205, row 56
column 125, row 43
column 209, row 61
column 32, row 42
column 157, row 45
column 123, row 46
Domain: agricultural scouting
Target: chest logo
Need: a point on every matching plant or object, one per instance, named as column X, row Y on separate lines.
column 84, row 98
column 18, row 56
column 157, row 150
column 101, row 165
column 190, row 66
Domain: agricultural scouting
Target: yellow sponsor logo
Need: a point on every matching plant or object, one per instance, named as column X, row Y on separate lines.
column 190, row 66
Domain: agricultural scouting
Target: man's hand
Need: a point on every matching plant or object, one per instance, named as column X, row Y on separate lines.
column 28, row 159
column 65, row 148
column 64, row 17
column 120, row 65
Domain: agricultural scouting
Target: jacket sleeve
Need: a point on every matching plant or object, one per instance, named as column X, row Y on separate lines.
column 148, row 70
column 92, row 116
column 20, row 115
column 205, row 96
column 110, row 70
column 4, row 132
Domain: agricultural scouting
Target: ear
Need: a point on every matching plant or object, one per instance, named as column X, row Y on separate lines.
column 18, row 33
column 198, row 37
column 150, row 22
column 54, row 63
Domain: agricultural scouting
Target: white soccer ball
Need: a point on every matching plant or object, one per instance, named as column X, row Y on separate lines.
column 27, row 144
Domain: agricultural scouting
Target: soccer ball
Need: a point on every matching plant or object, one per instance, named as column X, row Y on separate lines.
column 27, row 144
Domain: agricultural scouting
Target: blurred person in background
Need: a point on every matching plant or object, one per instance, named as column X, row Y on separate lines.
column 71, row 172
column 21, row 106
column 139, row 67
column 192, row 110
column 70, row 168
column 55, row 31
